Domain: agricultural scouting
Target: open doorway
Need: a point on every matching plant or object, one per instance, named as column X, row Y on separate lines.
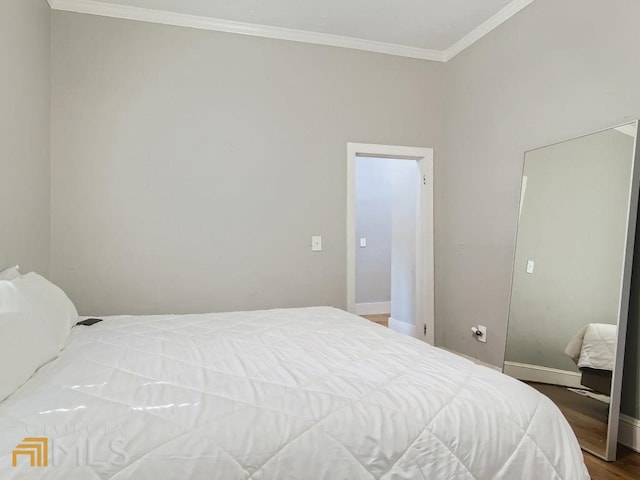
column 390, row 236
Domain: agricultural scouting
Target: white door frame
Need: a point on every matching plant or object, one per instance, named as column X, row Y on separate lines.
column 424, row 232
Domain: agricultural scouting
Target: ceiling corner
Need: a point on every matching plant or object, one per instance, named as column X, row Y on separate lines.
column 486, row 27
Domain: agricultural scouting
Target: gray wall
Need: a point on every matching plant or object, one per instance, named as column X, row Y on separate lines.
column 164, row 138
column 24, row 134
column 552, row 72
column 190, row 168
column 573, row 226
column 373, row 222
column 631, row 378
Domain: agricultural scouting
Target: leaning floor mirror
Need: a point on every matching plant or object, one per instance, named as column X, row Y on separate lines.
column 571, row 278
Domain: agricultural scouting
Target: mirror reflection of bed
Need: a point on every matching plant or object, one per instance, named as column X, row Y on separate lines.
column 571, row 280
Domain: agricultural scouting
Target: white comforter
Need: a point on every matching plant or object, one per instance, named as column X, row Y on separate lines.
column 594, row 346
column 312, row 393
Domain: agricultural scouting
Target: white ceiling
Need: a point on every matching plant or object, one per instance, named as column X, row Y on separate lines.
column 434, row 26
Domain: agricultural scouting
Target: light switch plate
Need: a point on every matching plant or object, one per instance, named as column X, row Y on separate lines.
column 316, row 243
column 531, row 265
column 363, row 242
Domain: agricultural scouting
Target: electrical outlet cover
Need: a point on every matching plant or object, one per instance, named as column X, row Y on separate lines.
column 482, row 338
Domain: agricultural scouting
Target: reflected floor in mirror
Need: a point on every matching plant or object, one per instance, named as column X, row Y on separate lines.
column 588, row 418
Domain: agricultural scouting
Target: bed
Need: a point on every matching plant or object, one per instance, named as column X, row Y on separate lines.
column 592, row 349
column 308, row 393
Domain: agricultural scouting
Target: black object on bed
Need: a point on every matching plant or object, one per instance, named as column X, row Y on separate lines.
column 89, row 321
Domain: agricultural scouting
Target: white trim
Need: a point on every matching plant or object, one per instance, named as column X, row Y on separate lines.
column 401, row 327
column 523, row 191
column 489, row 25
column 628, row 129
column 536, row 373
column 623, row 306
column 474, row 360
column 374, row 308
column 92, row 7
column 629, row 432
column 425, row 283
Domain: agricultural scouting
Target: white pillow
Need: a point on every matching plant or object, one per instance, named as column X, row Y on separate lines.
column 23, row 350
column 51, row 303
column 10, row 273
column 35, row 321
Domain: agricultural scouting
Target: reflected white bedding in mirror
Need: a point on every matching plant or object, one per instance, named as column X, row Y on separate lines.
column 570, row 280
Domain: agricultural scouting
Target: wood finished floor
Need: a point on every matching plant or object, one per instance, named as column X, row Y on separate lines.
column 382, row 319
column 626, row 467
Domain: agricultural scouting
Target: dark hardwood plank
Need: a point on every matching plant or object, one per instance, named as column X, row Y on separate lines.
column 626, row 467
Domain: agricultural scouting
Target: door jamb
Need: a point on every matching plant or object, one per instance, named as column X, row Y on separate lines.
column 425, row 280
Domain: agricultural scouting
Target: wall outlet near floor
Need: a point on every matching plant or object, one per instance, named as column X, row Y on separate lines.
column 480, row 332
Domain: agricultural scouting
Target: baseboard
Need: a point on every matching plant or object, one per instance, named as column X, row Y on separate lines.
column 629, row 432
column 474, row 360
column 536, row 373
column 376, row 308
column 402, row 327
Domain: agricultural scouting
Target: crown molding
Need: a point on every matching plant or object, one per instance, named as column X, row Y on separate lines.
column 484, row 28
column 206, row 23
column 629, row 129
column 92, row 7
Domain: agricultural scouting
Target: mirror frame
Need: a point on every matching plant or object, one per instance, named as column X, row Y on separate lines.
column 623, row 309
column 611, row 444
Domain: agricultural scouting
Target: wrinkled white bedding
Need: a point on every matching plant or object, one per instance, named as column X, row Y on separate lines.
column 594, row 346
column 313, row 393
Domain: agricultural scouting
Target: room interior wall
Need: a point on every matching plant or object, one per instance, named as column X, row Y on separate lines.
column 631, row 374
column 554, row 71
column 404, row 212
column 145, row 215
column 24, row 134
column 190, row 168
column 572, row 226
column 373, row 222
